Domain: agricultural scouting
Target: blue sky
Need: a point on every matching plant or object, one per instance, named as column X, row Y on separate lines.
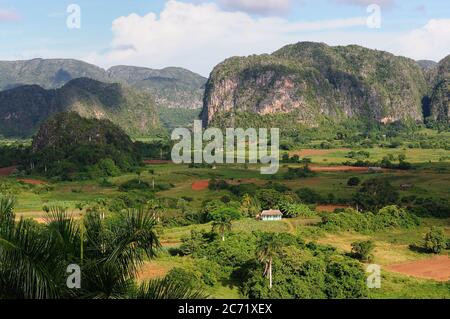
column 198, row 34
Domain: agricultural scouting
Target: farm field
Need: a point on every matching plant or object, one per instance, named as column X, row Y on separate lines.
column 406, row 273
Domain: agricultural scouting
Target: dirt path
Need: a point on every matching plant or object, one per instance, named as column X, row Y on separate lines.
column 436, row 268
column 32, row 181
column 150, row 270
column 6, row 171
column 330, row 208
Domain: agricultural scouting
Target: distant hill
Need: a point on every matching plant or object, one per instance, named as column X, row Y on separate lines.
column 68, row 146
column 427, row 64
column 24, row 108
column 313, row 81
column 171, row 87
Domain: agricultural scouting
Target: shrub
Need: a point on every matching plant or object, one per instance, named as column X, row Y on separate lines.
column 435, row 241
column 353, row 181
column 362, row 250
column 385, row 218
column 290, row 210
column 308, row 196
column 134, row 184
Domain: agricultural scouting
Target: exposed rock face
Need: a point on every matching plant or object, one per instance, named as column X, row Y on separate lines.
column 440, row 97
column 171, row 87
column 317, row 81
column 23, row 109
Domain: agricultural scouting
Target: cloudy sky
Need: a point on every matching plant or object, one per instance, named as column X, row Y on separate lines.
column 198, row 34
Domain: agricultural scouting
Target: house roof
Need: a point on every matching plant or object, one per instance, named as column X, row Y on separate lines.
column 271, row 212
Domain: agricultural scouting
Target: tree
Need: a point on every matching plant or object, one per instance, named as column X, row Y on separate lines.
column 375, row 194
column 222, row 224
column 249, row 206
column 268, row 246
column 353, row 181
column 435, row 240
column 34, row 258
column 362, row 250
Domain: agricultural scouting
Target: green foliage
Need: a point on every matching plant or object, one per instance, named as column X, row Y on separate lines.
column 309, row 196
column 35, row 258
column 301, row 172
column 389, row 217
column 353, row 181
column 376, row 193
column 291, row 210
column 362, row 250
column 134, row 184
column 71, row 147
column 435, row 240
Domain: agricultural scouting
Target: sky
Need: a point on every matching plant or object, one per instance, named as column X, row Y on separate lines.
column 199, row 34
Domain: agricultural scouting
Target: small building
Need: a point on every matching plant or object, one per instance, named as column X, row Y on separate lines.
column 375, row 169
column 406, row 186
column 270, row 215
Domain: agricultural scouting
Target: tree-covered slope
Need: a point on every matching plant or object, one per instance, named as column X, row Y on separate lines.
column 23, row 109
column 313, row 81
column 171, row 87
column 70, row 146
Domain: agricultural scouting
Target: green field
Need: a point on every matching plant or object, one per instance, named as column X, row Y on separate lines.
column 429, row 177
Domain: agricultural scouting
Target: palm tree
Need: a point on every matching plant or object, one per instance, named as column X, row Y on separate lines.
column 267, row 249
column 34, row 259
column 222, row 224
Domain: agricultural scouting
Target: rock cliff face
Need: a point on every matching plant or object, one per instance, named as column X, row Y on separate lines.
column 316, row 81
column 440, row 96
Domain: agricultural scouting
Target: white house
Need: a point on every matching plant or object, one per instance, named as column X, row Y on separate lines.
column 269, row 215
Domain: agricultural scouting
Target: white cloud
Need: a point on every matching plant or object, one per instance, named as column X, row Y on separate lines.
column 264, row 7
column 8, row 15
column 432, row 41
column 199, row 36
column 365, row 3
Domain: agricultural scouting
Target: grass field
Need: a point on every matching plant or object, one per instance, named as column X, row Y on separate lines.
column 430, row 177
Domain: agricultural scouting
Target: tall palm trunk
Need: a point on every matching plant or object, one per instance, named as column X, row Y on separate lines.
column 270, row 273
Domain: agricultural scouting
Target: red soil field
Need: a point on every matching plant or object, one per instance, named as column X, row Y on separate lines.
column 200, row 185
column 436, row 268
column 152, row 271
column 329, row 208
column 32, row 181
column 6, row 171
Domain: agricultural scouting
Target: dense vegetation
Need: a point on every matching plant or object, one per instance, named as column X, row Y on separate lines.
column 71, row 147
column 316, row 82
column 299, row 270
column 35, row 258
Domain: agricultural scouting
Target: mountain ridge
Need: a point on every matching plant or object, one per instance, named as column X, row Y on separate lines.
column 179, row 88
column 24, row 108
column 318, row 81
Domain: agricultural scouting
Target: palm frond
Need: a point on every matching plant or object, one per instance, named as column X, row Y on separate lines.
column 166, row 288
